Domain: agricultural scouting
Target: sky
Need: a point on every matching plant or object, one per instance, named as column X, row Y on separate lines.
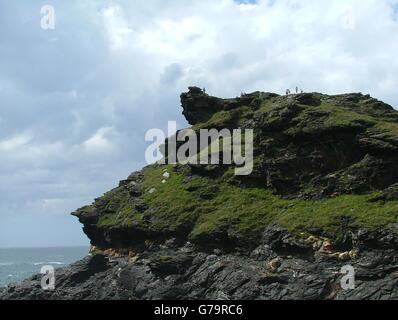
column 77, row 100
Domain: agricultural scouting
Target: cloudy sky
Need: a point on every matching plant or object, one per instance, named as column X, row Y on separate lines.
column 76, row 101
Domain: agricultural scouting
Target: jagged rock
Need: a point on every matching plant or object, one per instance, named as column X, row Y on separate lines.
column 274, row 264
column 198, row 106
column 175, row 274
column 389, row 194
column 308, row 99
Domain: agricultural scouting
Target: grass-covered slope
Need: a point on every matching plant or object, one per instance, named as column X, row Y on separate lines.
column 323, row 165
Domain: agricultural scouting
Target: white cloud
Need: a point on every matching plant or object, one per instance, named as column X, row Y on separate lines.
column 15, row 142
column 277, row 44
column 116, row 27
column 101, row 141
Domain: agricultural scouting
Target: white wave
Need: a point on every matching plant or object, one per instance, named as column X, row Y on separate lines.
column 6, row 264
column 56, row 262
column 48, row 263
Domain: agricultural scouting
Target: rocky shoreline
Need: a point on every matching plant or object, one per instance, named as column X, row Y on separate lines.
column 280, row 268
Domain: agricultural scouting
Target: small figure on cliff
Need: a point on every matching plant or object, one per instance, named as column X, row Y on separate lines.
column 287, row 91
column 297, row 89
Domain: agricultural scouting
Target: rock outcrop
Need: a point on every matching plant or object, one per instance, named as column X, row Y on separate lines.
column 323, row 194
column 278, row 268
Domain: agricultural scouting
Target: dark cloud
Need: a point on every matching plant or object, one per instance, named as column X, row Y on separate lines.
column 172, row 73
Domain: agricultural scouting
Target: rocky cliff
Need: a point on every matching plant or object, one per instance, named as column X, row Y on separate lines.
column 323, row 194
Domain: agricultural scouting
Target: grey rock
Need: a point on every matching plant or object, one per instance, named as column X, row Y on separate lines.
column 178, row 273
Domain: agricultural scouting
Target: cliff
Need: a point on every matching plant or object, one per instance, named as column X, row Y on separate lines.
column 323, row 194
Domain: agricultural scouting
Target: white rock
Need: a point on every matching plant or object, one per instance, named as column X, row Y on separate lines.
column 152, row 190
column 166, row 175
column 163, row 181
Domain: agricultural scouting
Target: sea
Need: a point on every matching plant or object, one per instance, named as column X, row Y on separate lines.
column 21, row 263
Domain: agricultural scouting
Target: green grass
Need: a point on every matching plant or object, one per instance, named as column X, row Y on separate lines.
column 343, row 117
column 389, row 128
column 247, row 211
column 339, row 117
column 171, row 204
column 118, row 209
column 334, row 118
column 232, row 119
column 266, row 106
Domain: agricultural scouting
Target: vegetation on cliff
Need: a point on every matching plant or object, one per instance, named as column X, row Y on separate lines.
column 322, row 165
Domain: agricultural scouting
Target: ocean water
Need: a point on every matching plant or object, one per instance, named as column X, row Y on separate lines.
column 21, row 263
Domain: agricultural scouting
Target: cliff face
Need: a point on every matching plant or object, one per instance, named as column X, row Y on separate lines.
column 323, row 194
column 323, row 165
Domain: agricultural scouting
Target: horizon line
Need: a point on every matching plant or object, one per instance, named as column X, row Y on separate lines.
column 47, row 247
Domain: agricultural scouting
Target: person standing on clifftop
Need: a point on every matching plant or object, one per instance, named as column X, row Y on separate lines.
column 297, row 89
